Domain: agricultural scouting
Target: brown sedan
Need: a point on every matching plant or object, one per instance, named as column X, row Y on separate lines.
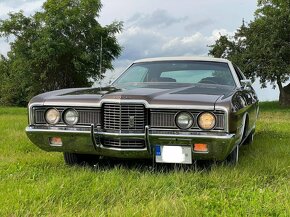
column 173, row 110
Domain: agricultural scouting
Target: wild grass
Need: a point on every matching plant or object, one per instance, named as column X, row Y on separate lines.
column 37, row 183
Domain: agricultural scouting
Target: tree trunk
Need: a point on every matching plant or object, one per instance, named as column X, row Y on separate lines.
column 284, row 97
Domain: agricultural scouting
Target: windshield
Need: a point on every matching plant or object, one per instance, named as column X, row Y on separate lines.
column 192, row 72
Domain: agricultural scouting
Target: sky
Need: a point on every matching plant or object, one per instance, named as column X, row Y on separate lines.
column 162, row 28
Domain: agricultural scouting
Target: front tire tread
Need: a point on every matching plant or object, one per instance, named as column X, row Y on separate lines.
column 73, row 159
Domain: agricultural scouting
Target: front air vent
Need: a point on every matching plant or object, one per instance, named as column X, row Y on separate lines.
column 124, row 144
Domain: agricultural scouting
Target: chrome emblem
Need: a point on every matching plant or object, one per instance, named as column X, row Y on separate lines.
column 131, row 121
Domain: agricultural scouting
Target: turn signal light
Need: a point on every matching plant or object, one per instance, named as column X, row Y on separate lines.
column 199, row 147
column 55, row 141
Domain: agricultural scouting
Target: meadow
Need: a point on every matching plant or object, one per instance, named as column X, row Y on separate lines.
column 38, row 183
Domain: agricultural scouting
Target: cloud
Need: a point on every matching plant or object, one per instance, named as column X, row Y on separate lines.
column 14, row 6
column 4, row 47
column 145, row 35
column 27, row 6
column 158, row 18
column 200, row 24
column 141, row 43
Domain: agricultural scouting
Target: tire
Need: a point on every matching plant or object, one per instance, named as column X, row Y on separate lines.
column 233, row 157
column 73, row 159
column 249, row 140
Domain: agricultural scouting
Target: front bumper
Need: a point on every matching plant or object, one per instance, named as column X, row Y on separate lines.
column 87, row 141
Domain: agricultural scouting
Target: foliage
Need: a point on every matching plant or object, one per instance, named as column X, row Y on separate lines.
column 38, row 183
column 58, row 47
column 262, row 48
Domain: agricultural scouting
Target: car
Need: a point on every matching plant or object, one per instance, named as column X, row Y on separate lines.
column 175, row 110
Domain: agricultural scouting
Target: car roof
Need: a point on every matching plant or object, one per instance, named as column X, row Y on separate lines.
column 183, row 58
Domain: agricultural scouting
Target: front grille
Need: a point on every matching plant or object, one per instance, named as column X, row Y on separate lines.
column 86, row 116
column 163, row 119
column 220, row 121
column 125, row 117
column 89, row 116
column 125, row 144
column 39, row 116
column 166, row 119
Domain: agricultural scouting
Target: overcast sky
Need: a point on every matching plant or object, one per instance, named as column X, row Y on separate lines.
column 162, row 28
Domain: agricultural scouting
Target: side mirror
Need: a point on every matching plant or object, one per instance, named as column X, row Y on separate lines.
column 246, row 84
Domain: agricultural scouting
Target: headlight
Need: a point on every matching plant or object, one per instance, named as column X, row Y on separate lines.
column 71, row 117
column 184, row 120
column 206, row 121
column 52, row 116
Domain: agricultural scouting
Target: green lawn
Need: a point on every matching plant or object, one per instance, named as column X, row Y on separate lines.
column 37, row 183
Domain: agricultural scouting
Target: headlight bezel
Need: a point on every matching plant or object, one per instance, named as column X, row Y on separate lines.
column 191, row 119
column 57, row 120
column 64, row 113
column 203, row 113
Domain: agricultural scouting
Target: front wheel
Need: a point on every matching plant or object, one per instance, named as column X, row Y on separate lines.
column 72, row 159
column 233, row 157
column 249, row 140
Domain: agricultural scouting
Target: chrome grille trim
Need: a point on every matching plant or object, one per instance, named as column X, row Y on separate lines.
column 124, row 144
column 87, row 116
column 166, row 119
column 125, row 117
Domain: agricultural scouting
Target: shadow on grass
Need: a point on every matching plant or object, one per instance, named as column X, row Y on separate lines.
column 149, row 166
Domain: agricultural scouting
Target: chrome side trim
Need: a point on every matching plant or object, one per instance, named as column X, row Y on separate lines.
column 31, row 129
column 226, row 136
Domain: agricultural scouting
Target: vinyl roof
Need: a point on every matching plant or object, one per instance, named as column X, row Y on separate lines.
column 183, row 58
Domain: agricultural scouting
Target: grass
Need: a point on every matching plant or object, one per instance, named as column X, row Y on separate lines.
column 37, row 183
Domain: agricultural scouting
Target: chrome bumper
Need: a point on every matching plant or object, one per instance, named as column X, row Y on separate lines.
column 88, row 141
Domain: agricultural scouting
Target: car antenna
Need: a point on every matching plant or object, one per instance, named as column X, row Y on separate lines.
column 101, row 53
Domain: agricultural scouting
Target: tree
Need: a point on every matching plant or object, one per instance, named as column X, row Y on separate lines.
column 262, row 48
column 58, row 47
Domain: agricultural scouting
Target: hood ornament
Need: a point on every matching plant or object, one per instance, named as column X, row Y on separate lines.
column 131, row 121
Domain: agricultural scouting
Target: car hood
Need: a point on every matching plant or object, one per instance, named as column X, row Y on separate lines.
column 153, row 94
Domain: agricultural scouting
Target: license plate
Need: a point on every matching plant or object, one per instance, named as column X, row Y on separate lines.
column 173, row 154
